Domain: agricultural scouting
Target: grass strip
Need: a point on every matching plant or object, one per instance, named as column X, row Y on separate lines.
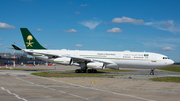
column 112, row 70
column 167, row 79
column 171, row 68
column 46, row 74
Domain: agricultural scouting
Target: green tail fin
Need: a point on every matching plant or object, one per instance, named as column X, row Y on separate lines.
column 29, row 40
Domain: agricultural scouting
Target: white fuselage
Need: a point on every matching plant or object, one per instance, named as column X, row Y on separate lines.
column 114, row 59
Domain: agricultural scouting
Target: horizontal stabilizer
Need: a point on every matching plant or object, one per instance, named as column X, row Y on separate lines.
column 9, row 47
column 16, row 48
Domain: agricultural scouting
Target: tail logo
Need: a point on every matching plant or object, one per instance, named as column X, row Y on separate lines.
column 29, row 38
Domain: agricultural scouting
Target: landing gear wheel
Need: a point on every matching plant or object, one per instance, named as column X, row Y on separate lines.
column 77, row 71
column 83, row 71
column 94, row 71
column 151, row 73
column 89, row 71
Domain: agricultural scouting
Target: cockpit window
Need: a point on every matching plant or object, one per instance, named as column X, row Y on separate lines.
column 165, row 58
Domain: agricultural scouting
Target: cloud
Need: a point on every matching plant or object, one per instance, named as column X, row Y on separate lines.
column 132, row 48
column 70, row 31
column 115, row 30
column 6, row 26
column 158, row 44
column 167, row 49
column 78, row 45
column 104, row 22
column 39, row 29
column 168, row 40
column 126, row 20
column 161, row 25
column 46, row 45
column 165, row 25
column 148, row 23
column 169, row 23
column 84, row 5
column 0, row 39
column 91, row 24
column 77, row 12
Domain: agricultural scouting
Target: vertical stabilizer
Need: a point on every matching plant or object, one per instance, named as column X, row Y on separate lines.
column 29, row 40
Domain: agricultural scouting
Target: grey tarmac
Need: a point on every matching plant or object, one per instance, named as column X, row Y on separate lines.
column 133, row 86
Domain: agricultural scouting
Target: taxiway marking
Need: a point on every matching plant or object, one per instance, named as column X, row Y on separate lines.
column 53, row 89
column 17, row 96
column 93, row 82
column 99, row 89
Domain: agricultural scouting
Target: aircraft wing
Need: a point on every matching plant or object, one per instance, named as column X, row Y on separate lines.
column 50, row 55
column 75, row 59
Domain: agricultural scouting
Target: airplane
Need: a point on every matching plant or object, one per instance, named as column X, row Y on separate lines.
column 90, row 61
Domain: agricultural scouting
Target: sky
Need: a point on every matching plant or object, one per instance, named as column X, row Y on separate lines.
column 103, row 25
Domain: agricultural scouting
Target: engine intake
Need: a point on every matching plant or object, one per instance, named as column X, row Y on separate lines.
column 63, row 60
column 96, row 65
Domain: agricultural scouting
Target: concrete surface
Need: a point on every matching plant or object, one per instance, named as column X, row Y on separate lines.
column 133, row 86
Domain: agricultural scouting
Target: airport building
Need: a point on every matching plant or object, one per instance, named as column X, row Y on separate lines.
column 8, row 58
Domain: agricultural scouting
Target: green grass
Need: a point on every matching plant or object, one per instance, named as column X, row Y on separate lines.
column 167, row 79
column 26, row 69
column 110, row 70
column 171, row 68
column 45, row 74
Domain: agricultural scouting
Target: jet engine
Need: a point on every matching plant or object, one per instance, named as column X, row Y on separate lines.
column 63, row 60
column 96, row 65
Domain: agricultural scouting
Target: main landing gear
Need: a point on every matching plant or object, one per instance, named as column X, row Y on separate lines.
column 84, row 68
column 86, row 71
column 152, row 71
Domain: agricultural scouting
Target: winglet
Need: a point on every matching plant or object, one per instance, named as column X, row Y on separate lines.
column 29, row 40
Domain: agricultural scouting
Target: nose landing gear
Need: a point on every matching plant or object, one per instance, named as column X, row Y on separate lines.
column 152, row 71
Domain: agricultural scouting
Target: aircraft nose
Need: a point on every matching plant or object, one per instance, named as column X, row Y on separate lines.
column 171, row 62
